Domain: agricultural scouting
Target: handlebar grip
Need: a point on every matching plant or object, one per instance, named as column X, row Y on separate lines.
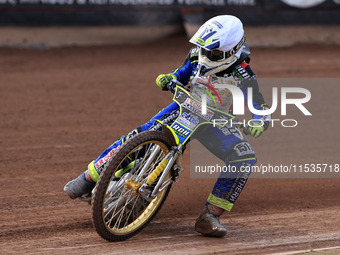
column 172, row 85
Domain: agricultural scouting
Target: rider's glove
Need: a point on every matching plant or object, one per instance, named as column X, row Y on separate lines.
column 163, row 80
column 255, row 129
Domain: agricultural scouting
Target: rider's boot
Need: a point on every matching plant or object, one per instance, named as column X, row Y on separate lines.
column 208, row 223
column 83, row 184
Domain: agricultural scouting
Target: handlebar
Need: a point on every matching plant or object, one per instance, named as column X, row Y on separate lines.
column 172, row 85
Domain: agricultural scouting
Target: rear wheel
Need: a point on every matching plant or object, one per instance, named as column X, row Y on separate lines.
column 118, row 210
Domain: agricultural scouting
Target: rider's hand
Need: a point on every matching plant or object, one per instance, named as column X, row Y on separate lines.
column 163, row 80
column 255, row 129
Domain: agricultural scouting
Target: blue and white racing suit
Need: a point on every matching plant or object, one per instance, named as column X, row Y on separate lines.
column 227, row 142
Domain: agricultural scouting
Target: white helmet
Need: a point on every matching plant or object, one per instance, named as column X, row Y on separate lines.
column 220, row 40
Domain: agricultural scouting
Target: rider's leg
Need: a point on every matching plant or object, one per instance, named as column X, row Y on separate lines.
column 84, row 183
column 229, row 145
column 79, row 186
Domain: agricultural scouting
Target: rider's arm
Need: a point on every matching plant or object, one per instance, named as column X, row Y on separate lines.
column 184, row 72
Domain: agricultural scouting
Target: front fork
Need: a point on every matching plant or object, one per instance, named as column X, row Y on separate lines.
column 171, row 160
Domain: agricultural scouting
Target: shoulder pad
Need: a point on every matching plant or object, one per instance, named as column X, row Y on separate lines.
column 193, row 54
column 245, row 54
column 243, row 58
column 194, row 51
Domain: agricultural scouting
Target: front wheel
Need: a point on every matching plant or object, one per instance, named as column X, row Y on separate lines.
column 118, row 210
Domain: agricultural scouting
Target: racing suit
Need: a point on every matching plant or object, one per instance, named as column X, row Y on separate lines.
column 226, row 142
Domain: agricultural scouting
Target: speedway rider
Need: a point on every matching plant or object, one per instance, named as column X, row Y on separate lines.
column 220, row 55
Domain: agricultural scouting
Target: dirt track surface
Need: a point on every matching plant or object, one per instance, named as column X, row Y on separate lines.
column 60, row 108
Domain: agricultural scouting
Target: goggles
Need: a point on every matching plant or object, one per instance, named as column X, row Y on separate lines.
column 218, row 55
column 213, row 55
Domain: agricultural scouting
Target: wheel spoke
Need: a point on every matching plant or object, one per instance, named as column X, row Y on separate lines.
column 118, row 210
column 113, row 198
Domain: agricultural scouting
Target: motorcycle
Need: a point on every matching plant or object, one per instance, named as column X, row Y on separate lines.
column 136, row 181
